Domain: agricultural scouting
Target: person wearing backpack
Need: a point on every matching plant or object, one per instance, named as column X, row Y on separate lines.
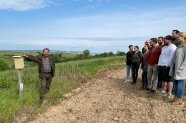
column 136, row 61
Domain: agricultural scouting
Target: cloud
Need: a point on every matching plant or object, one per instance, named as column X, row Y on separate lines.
column 123, row 24
column 23, row 5
column 104, row 30
column 69, row 42
column 96, row 45
column 119, row 24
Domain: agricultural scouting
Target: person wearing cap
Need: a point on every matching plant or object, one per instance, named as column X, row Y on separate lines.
column 46, row 69
column 164, row 64
column 178, row 70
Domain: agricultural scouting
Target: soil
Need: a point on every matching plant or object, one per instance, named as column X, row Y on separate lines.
column 109, row 99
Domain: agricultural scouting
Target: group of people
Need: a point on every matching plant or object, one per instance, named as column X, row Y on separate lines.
column 163, row 64
column 162, row 60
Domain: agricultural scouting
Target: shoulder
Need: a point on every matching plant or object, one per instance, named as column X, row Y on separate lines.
column 139, row 53
column 164, row 47
column 150, row 49
column 172, row 46
column 184, row 48
column 159, row 47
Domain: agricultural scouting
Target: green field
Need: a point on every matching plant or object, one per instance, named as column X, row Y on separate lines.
column 6, row 57
column 68, row 76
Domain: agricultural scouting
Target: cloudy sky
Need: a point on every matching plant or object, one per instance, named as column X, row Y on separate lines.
column 97, row 25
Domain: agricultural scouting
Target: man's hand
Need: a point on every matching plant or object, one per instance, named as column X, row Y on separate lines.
column 25, row 55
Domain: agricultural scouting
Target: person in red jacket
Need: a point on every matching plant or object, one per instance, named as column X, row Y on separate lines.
column 152, row 70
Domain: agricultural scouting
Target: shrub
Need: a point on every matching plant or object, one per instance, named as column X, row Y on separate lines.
column 3, row 66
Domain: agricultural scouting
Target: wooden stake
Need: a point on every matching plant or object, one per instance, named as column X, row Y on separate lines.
column 20, row 82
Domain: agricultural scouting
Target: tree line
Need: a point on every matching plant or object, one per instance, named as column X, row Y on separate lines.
column 59, row 58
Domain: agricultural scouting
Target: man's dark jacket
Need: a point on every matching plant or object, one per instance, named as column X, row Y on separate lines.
column 38, row 59
column 129, row 58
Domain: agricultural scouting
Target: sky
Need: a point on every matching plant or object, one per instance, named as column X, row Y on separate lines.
column 97, row 25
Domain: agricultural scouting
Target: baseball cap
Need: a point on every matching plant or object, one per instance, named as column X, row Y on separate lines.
column 168, row 37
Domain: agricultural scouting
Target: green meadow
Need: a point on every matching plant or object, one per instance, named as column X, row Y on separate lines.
column 68, row 76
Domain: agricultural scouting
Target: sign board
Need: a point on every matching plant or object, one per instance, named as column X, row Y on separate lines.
column 19, row 62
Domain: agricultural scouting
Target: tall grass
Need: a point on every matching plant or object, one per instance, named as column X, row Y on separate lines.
column 68, row 76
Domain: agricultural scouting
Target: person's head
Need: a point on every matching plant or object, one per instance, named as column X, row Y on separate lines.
column 153, row 41
column 131, row 47
column 160, row 41
column 175, row 34
column 147, row 42
column 46, row 52
column 136, row 48
column 146, row 47
column 167, row 39
column 182, row 37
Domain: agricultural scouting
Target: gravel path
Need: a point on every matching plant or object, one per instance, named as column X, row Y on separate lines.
column 108, row 99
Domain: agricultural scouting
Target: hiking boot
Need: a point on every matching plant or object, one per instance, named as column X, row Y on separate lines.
column 142, row 87
column 153, row 91
column 170, row 96
column 179, row 101
column 163, row 93
column 133, row 83
column 174, row 99
column 148, row 90
column 145, row 86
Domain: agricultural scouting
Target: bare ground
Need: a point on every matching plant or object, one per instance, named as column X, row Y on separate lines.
column 108, row 99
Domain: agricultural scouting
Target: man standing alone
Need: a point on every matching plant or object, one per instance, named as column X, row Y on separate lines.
column 46, row 68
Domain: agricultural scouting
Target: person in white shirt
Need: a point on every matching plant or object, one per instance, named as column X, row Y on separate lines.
column 164, row 64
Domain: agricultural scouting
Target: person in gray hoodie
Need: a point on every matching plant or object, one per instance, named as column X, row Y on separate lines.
column 178, row 70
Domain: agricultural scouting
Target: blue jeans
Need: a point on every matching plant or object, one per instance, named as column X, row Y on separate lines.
column 179, row 88
column 129, row 71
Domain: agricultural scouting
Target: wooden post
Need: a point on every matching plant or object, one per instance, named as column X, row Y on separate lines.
column 19, row 65
column 20, row 82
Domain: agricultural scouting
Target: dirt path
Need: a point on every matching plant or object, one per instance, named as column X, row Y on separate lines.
column 108, row 98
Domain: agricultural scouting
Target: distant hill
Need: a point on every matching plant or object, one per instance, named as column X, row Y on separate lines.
column 34, row 51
